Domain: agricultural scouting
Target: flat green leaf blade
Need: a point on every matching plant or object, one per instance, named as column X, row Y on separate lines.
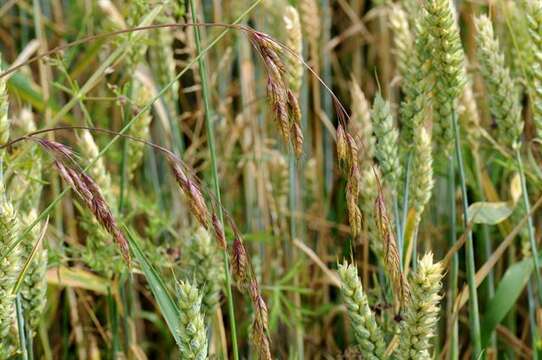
column 489, row 213
column 509, row 289
column 168, row 307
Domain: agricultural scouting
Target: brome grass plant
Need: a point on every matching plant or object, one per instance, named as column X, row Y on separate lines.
column 270, row 179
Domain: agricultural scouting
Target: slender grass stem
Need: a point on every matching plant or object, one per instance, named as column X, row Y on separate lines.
column 405, row 207
column 474, row 316
column 454, row 267
column 294, row 181
column 532, row 319
column 214, row 169
column 530, row 226
column 21, row 327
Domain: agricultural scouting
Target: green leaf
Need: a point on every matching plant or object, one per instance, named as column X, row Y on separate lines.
column 508, row 291
column 490, row 213
column 168, row 307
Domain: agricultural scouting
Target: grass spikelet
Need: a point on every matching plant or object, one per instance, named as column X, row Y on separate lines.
column 469, row 116
column 369, row 337
column 416, row 84
column 386, row 146
column 162, row 62
column 392, row 259
column 421, row 183
column 192, row 326
column 260, row 323
column 448, row 67
column 9, row 268
column 342, row 145
column 279, row 181
column 310, row 20
column 218, row 229
column 352, row 194
column 4, row 107
column 403, row 41
column 26, row 185
column 140, row 129
column 422, row 311
column 360, row 125
column 503, row 95
column 239, row 261
column 279, row 104
column 294, row 41
column 203, row 255
column 34, row 286
column 196, row 202
column 533, row 12
column 368, row 196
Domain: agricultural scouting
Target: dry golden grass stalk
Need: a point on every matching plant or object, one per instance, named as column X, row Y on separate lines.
column 391, row 254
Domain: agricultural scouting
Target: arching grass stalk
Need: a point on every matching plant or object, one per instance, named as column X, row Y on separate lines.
column 469, row 248
column 214, row 170
column 122, row 131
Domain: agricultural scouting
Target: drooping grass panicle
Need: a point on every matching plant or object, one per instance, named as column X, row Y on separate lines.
column 192, row 191
column 503, row 95
column 422, row 311
column 368, row 335
column 88, row 191
column 247, row 281
column 447, row 67
column 192, row 326
column 282, row 98
column 260, row 323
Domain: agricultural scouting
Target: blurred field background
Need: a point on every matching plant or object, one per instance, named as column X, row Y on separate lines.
column 244, row 179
